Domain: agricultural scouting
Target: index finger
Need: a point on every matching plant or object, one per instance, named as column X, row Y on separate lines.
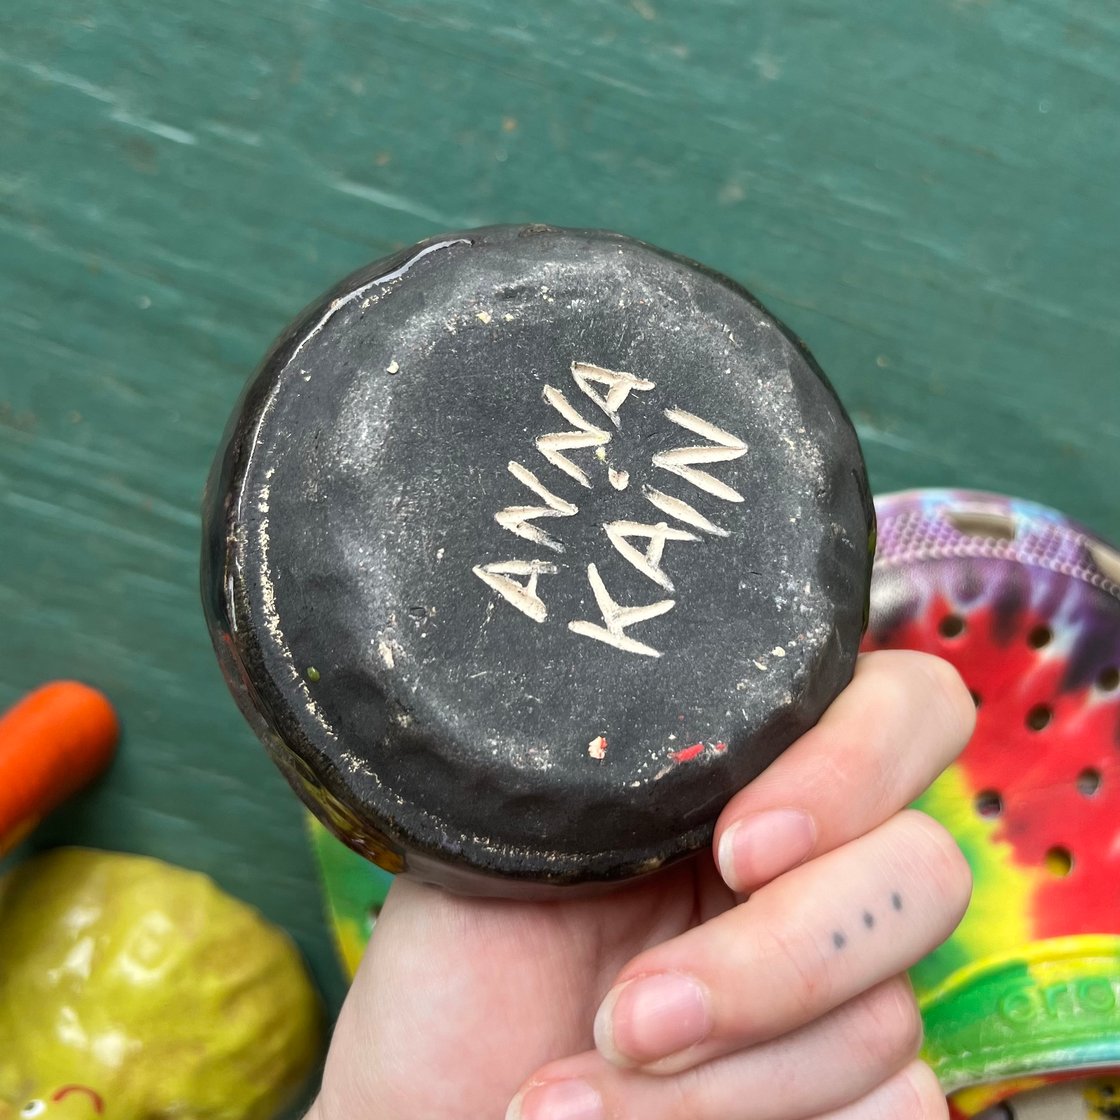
column 900, row 722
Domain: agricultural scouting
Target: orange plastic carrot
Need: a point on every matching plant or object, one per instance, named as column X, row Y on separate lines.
column 53, row 742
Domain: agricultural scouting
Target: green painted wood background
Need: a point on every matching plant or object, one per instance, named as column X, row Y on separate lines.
column 927, row 190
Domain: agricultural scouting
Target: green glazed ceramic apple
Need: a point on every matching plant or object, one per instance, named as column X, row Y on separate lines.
column 133, row 990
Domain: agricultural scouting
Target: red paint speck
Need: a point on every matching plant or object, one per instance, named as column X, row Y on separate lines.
column 720, row 747
column 688, row 753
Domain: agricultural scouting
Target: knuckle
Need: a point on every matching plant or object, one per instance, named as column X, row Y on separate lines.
column 887, row 685
column 941, row 863
column 921, row 1095
column 892, row 1025
column 791, row 955
column 950, row 695
column 861, row 732
column 902, row 683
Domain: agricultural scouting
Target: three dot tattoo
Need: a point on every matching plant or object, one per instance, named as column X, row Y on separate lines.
column 840, row 939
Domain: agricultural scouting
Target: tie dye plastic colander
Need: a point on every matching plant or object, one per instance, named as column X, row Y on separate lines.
column 1027, row 606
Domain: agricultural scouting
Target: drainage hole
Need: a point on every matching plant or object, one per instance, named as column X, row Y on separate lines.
column 1059, row 862
column 989, row 804
column 1040, row 636
column 1039, row 716
column 987, row 524
column 1000, row 1112
column 951, row 626
column 1088, row 782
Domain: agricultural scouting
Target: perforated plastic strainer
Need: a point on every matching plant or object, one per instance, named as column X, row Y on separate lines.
column 1026, row 605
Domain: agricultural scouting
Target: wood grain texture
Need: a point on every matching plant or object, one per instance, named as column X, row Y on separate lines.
column 926, row 191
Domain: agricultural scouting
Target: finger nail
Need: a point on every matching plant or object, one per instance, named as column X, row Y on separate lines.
column 763, row 846
column 651, row 1018
column 558, row 1100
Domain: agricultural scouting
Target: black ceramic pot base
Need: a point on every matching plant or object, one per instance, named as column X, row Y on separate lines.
column 527, row 548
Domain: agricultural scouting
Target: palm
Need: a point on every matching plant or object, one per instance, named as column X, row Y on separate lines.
column 473, row 995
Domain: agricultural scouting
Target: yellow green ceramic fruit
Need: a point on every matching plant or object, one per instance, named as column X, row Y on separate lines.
column 133, row 990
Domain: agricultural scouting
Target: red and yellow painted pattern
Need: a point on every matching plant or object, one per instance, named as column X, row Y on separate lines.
column 1027, row 991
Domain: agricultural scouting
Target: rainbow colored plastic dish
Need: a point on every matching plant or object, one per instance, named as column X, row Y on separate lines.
column 1026, row 605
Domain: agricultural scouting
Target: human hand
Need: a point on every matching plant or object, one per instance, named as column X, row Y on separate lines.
column 766, row 983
